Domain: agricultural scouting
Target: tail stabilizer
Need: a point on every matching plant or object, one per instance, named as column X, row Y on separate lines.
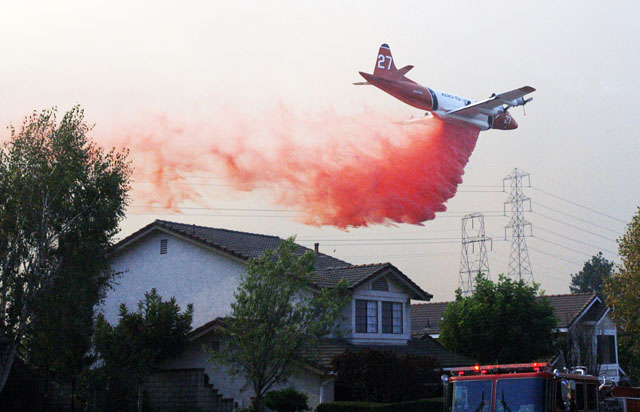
column 385, row 66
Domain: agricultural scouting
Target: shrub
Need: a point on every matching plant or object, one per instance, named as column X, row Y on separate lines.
column 349, row 406
column 421, row 405
column 287, row 400
column 374, row 375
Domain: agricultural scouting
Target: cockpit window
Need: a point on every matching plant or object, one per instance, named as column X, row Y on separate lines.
column 472, row 396
column 521, row 395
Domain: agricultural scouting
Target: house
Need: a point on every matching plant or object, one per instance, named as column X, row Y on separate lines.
column 202, row 265
column 590, row 337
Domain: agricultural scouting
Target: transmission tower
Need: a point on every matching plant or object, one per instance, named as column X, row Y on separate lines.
column 519, row 264
column 474, row 257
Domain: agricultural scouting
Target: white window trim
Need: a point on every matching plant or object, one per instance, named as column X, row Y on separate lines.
column 379, row 334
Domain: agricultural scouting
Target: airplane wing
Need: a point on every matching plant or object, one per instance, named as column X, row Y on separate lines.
column 487, row 106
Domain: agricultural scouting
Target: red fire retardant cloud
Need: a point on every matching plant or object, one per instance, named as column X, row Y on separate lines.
column 343, row 171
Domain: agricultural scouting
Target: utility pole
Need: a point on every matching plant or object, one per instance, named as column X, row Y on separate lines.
column 474, row 258
column 519, row 264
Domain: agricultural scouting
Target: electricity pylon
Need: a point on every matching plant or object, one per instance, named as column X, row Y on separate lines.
column 474, row 257
column 519, row 264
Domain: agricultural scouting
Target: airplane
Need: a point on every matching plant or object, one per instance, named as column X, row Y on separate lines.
column 491, row 113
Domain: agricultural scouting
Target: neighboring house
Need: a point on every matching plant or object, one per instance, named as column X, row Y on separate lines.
column 202, row 265
column 583, row 320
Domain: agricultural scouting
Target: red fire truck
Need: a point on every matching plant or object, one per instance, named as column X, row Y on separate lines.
column 531, row 387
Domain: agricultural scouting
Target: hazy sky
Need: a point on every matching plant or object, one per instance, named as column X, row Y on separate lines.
column 127, row 61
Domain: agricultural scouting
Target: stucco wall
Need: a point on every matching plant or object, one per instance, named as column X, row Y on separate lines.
column 187, row 271
column 196, row 356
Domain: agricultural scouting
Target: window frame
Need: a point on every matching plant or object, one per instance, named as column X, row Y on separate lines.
column 396, row 325
column 362, row 316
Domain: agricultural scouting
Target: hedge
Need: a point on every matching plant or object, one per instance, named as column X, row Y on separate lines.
column 421, row 405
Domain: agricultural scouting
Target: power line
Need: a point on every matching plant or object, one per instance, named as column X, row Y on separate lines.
column 574, row 226
column 578, row 204
column 577, row 218
column 556, row 256
column 574, row 240
column 560, row 245
column 537, row 265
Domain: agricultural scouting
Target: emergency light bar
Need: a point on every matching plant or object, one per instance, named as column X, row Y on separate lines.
column 495, row 369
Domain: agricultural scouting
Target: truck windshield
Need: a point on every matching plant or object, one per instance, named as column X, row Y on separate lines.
column 521, row 395
column 472, row 396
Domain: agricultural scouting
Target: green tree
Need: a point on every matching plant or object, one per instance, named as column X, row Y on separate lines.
column 277, row 314
column 622, row 295
column 142, row 339
column 592, row 276
column 501, row 322
column 61, row 198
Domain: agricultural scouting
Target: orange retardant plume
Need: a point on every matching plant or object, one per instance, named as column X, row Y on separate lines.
column 336, row 170
column 402, row 176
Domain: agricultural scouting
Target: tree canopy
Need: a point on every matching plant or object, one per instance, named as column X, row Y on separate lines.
column 592, row 276
column 155, row 332
column 502, row 322
column 62, row 198
column 277, row 314
column 622, row 295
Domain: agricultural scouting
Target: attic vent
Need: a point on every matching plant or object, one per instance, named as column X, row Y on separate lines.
column 380, row 284
column 215, row 346
column 163, row 246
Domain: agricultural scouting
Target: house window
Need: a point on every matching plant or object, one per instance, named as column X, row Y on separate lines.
column 607, row 348
column 163, row 246
column 380, row 285
column 366, row 316
column 392, row 317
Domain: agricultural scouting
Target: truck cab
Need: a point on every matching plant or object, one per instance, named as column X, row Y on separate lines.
column 531, row 387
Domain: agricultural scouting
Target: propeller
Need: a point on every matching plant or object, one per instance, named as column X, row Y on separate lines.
column 525, row 101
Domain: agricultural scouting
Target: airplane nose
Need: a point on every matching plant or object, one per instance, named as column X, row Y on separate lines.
column 513, row 124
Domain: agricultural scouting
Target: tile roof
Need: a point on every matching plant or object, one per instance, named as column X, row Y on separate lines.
column 568, row 307
column 426, row 317
column 323, row 353
column 244, row 245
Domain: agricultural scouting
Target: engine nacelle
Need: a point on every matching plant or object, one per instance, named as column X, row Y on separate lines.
column 504, row 121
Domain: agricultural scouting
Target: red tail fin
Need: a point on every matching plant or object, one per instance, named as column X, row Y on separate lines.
column 385, row 66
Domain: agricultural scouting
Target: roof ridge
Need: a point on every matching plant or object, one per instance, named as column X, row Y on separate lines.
column 217, row 228
column 572, row 294
column 362, row 265
column 431, row 303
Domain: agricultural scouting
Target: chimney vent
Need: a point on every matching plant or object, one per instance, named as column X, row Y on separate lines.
column 316, row 247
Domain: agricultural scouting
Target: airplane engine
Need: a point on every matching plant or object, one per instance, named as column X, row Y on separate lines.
column 504, row 121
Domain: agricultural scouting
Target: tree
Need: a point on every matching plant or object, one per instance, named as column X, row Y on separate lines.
column 591, row 277
column 277, row 314
column 622, row 295
column 501, row 322
column 142, row 339
column 62, row 198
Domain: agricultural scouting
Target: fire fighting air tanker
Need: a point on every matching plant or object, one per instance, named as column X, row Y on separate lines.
column 491, row 113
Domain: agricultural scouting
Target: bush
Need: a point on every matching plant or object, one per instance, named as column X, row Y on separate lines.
column 349, row 406
column 382, row 376
column 286, row 400
column 421, row 405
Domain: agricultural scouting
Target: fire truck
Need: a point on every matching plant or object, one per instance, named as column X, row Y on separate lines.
column 533, row 387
